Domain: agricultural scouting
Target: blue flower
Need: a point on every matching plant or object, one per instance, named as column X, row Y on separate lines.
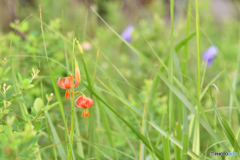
column 127, row 33
column 209, row 55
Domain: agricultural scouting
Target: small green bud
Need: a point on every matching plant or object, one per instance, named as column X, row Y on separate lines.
column 79, row 47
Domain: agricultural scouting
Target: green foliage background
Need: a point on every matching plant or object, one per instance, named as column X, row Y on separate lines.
column 124, row 81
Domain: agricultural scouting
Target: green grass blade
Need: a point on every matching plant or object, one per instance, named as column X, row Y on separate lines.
column 174, row 140
column 235, row 80
column 120, row 130
column 107, row 128
column 184, row 64
column 185, row 146
column 196, row 138
column 56, row 138
column 79, row 144
column 178, row 136
column 143, row 128
column 166, row 147
column 138, row 134
column 95, row 69
column 227, row 130
column 73, row 104
column 170, row 115
column 184, row 42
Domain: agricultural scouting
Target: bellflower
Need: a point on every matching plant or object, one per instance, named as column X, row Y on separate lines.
column 127, row 33
column 209, row 55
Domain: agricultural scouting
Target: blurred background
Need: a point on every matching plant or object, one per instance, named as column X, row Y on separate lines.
column 20, row 26
column 131, row 11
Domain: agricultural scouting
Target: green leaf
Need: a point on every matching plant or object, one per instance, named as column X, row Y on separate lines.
column 38, row 126
column 4, row 78
column 25, row 83
column 1, row 97
column 30, row 86
column 9, row 95
column 20, row 100
column 21, row 125
column 20, row 77
column 1, row 70
column 27, row 116
column 6, row 70
column 24, row 26
column 38, row 119
column 2, row 122
column 184, row 41
column 38, row 104
column 31, row 142
column 6, row 111
column 33, row 112
column 14, row 96
column 15, row 122
column 48, row 107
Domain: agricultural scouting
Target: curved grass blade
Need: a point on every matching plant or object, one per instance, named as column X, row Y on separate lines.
column 107, row 128
column 138, row 134
column 56, row 138
column 166, row 148
column 227, row 130
column 184, row 42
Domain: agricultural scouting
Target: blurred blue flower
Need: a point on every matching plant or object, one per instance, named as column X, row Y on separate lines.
column 127, row 33
column 209, row 55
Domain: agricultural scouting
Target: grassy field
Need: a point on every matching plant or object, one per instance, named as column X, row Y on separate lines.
column 118, row 80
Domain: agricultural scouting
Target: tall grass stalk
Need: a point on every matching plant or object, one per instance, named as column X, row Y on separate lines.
column 184, row 66
column 235, row 80
column 73, row 79
column 170, row 117
column 196, row 137
column 57, row 93
column 143, row 128
column 92, row 119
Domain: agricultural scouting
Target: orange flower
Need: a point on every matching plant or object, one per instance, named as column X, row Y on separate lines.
column 84, row 102
column 66, row 83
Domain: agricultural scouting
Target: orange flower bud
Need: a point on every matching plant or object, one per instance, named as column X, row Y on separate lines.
column 77, row 72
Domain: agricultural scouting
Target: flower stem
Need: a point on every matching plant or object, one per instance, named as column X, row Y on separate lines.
column 72, row 112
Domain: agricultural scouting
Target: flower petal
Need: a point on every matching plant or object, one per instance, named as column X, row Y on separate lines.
column 60, row 83
column 90, row 101
column 66, row 93
column 210, row 53
column 77, row 101
column 127, row 33
column 76, row 83
column 66, row 82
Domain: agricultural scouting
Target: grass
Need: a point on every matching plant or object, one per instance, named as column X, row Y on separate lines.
column 152, row 97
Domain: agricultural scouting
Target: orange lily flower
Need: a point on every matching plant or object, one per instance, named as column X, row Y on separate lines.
column 66, row 83
column 84, row 102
